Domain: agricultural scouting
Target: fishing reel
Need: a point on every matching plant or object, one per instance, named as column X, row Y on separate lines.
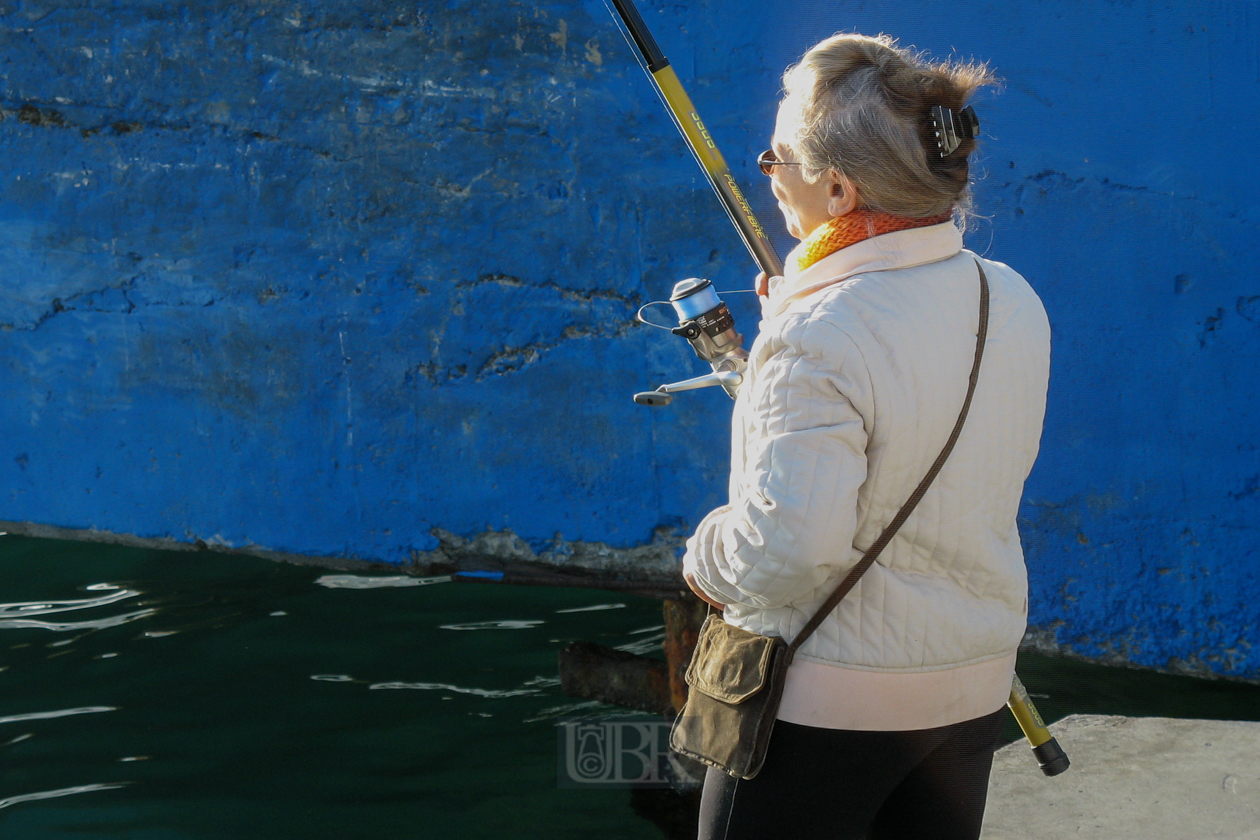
column 707, row 324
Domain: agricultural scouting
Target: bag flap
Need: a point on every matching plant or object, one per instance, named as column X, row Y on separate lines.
column 729, row 664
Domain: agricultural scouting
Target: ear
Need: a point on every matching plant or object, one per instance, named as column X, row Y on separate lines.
column 842, row 197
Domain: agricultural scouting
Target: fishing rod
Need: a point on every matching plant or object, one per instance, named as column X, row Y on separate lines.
column 665, row 80
column 706, row 323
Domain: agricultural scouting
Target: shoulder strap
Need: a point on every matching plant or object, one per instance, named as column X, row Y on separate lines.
column 906, row 509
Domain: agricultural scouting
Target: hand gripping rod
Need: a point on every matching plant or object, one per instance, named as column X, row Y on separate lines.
column 1049, row 754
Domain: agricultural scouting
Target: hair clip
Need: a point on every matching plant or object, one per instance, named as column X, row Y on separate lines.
column 952, row 128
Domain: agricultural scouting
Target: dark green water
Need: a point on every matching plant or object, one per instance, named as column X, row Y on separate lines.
column 197, row 695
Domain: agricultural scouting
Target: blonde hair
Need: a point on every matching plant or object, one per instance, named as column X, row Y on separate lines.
column 861, row 105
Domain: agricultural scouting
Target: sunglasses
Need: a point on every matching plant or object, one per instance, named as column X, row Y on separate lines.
column 768, row 160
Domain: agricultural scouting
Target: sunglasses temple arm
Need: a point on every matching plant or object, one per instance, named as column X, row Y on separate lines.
column 701, row 143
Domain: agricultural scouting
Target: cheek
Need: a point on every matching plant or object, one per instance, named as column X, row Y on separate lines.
column 788, row 193
column 785, row 205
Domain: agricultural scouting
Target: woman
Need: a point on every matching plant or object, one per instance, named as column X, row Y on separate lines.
column 892, row 708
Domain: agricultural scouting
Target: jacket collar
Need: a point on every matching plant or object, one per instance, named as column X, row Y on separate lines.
column 902, row 249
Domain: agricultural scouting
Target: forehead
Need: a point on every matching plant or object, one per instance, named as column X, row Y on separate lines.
column 784, row 125
column 776, row 137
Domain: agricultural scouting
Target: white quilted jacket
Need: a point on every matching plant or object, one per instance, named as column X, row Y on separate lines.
column 854, row 384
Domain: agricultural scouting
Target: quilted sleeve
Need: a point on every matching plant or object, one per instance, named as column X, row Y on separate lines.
column 793, row 511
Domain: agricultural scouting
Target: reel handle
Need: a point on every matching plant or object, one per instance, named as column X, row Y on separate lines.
column 664, row 395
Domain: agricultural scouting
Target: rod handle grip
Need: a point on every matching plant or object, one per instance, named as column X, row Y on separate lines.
column 1051, row 758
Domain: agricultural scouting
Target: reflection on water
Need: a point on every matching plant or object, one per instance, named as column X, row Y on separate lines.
column 72, row 626
column 480, row 692
column 84, row 710
column 501, row 624
column 531, row 686
column 56, row 794
column 590, row 708
column 26, row 609
column 593, row 608
column 378, row 582
column 254, row 699
column 644, row 646
column 251, row 699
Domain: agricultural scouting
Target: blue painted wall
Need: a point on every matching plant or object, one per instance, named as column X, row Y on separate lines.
column 321, row 277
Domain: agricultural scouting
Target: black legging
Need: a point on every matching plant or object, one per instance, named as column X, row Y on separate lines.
column 834, row 784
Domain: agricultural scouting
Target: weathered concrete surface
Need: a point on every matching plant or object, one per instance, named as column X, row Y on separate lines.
column 1132, row 779
column 655, row 564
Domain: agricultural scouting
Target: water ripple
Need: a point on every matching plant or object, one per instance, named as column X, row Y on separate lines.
column 81, row 710
column 504, row 624
column 480, row 692
column 377, row 582
column 28, row 608
column 593, row 608
column 645, row 645
column 53, row 794
column 68, row 626
column 592, row 708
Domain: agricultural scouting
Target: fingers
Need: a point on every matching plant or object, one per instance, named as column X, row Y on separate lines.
column 763, row 284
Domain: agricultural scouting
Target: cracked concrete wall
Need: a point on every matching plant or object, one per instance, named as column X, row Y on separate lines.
column 350, row 279
column 322, row 277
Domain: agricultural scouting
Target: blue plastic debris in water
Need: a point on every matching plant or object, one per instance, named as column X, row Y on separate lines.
column 485, row 575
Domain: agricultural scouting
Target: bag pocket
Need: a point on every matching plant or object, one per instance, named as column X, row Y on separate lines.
column 729, row 664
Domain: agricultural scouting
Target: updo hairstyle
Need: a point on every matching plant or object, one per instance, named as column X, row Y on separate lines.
column 861, row 105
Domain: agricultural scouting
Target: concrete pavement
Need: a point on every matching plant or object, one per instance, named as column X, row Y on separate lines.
column 1139, row 778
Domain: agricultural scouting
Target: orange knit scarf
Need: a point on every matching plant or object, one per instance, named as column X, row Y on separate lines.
column 853, row 227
